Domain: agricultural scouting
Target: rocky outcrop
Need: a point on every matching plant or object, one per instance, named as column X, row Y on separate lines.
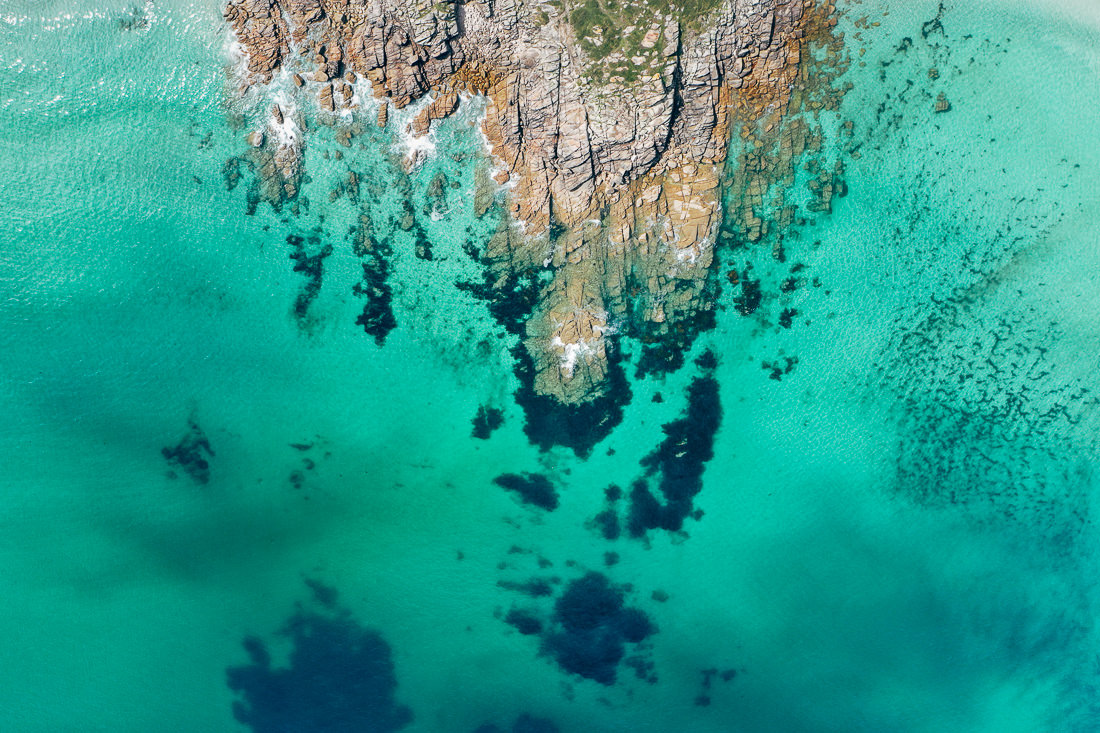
column 275, row 154
column 614, row 154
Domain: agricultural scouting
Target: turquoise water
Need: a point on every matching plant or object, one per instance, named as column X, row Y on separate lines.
column 897, row 535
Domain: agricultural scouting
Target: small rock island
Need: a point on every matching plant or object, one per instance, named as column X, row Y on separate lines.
column 609, row 125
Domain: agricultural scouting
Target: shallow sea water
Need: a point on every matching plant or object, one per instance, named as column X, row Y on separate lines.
column 897, row 535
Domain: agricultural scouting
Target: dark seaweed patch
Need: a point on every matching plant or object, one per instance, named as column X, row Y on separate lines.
column 377, row 318
column 643, row 667
column 486, row 421
column 530, row 724
column 707, row 361
column 779, row 369
column 645, row 511
column 607, row 522
column 297, row 476
column 135, row 19
column 191, row 453
column 662, row 357
column 535, row 587
column 532, row 488
column 933, row 26
column 709, row 676
column 323, row 593
column 311, row 266
column 587, row 603
column 231, row 173
column 664, row 353
column 589, row 628
column 339, row 678
column 423, row 245
column 592, row 628
column 748, row 300
column 252, row 198
column 634, row 625
column 525, row 622
column 510, row 301
column 523, row 724
column 581, row 426
column 679, row 461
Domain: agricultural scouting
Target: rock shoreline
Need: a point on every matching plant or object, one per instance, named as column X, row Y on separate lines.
column 615, row 187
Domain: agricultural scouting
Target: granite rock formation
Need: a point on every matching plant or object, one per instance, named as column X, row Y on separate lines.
column 612, row 141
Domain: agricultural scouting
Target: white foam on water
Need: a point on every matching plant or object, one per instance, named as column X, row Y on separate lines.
column 237, row 56
column 570, row 353
column 288, row 134
column 416, row 148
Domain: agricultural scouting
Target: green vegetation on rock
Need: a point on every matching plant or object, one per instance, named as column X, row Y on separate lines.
column 611, row 33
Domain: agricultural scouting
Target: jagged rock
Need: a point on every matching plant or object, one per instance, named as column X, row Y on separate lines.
column 325, row 98
column 443, row 105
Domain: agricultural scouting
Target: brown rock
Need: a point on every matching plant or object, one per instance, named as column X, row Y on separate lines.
column 325, row 98
column 442, row 105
